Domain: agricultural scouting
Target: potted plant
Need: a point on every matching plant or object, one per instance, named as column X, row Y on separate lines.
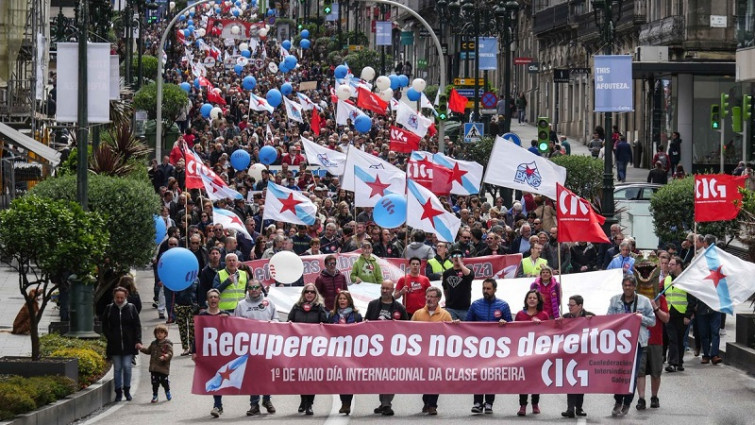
column 45, row 240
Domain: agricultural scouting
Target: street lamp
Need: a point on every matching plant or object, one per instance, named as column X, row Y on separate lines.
column 508, row 18
column 607, row 14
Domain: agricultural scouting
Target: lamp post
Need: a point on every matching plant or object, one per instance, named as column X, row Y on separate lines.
column 607, row 14
column 508, row 18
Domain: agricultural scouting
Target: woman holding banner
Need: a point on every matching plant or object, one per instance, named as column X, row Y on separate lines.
column 345, row 313
column 533, row 311
column 309, row 309
column 574, row 401
column 550, row 290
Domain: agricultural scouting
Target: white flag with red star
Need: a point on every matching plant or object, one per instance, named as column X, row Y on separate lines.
column 217, row 189
column 290, row 206
column 259, row 104
column 424, row 211
column 371, row 185
column 229, row 220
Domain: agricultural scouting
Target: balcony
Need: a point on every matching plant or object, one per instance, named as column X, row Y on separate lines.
column 551, row 19
column 666, row 32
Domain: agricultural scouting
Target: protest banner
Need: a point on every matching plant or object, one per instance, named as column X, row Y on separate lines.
column 584, row 355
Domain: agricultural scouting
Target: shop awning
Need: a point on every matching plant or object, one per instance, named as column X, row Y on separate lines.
column 11, row 135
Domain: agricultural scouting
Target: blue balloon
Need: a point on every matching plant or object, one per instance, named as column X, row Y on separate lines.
column 290, row 61
column 186, row 87
column 363, row 123
column 190, row 22
column 304, row 33
column 249, row 82
column 161, row 230
column 274, row 97
column 218, row 1
column 282, row 67
column 191, row 28
column 413, row 95
column 403, row 80
column 236, row 12
column 246, row 53
column 181, row 18
column 238, row 3
column 341, row 71
column 238, row 69
column 199, row 43
column 304, row 44
column 254, row 3
column 196, row 82
column 240, row 159
column 191, row 14
column 218, row 10
column 390, row 211
column 268, row 155
column 187, row 33
column 270, row 12
column 286, row 44
column 205, row 110
column 178, row 269
column 287, row 89
column 395, row 83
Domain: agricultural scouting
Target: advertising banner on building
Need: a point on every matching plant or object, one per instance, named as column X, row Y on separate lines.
column 595, row 355
column 613, row 84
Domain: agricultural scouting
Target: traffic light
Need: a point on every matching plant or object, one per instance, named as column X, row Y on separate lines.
column 724, row 105
column 442, row 108
column 543, row 134
column 746, row 107
column 736, row 119
column 715, row 117
column 327, row 6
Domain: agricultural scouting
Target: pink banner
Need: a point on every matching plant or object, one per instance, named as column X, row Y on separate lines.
column 595, row 355
column 496, row 266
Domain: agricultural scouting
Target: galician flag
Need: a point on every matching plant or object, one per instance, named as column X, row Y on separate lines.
column 345, row 111
column 424, row 211
column 365, row 161
column 293, row 110
column 718, row 279
column 371, row 185
column 465, row 176
column 230, row 374
column 306, row 103
column 259, row 104
column 290, row 206
column 333, row 161
column 229, row 220
column 217, row 189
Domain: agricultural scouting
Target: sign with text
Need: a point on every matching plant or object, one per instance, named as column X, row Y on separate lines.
column 236, row 357
column 613, row 84
column 488, row 48
column 383, row 33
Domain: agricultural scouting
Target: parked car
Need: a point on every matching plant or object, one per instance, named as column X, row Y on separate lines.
column 633, row 212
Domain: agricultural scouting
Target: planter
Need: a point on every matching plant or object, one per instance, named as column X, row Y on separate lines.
column 745, row 330
column 26, row 367
column 82, row 308
column 63, row 327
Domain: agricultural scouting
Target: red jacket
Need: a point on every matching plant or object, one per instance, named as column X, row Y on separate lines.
column 329, row 286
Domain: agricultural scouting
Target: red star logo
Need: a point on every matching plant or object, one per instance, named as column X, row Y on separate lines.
column 289, row 203
column 234, row 219
column 456, row 174
column 530, row 171
column 377, row 187
column 226, row 375
column 428, row 212
column 716, row 276
column 260, row 102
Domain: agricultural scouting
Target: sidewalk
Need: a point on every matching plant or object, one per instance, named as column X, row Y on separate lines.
column 12, row 301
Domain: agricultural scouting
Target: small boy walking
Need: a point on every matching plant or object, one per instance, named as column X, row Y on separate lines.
column 160, row 351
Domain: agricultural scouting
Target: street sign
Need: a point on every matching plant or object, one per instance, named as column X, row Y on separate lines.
column 513, row 138
column 533, row 68
column 561, row 75
column 473, row 131
column 468, row 81
column 468, row 93
column 489, row 100
column 424, row 33
column 522, row 61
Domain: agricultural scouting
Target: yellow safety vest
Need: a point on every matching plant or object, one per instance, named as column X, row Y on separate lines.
column 234, row 292
column 533, row 270
column 676, row 298
column 439, row 268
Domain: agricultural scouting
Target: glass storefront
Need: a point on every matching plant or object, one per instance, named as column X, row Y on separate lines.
column 706, row 147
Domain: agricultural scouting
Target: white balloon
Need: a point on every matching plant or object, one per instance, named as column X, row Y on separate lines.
column 235, row 30
column 382, row 82
column 286, row 267
column 193, row 10
column 368, row 73
column 263, row 32
column 243, row 46
column 386, row 94
column 201, row 32
column 172, row 5
column 215, row 113
column 343, row 92
column 273, row 68
column 419, row 84
column 255, row 171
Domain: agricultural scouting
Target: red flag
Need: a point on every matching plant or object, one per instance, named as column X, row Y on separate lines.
column 370, row 101
column 403, row 141
column 214, row 96
column 432, row 131
column 427, row 173
column 577, row 222
column 457, row 102
column 715, row 195
column 314, row 123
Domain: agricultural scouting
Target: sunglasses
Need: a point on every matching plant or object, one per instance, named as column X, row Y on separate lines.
column 253, row 287
column 309, row 291
column 456, row 256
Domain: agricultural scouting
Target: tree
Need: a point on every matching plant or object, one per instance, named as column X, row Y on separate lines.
column 43, row 240
column 149, row 67
column 174, row 100
column 366, row 57
column 584, row 174
column 673, row 212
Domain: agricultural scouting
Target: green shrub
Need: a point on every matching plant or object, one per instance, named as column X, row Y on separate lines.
column 14, row 399
column 20, row 395
column 54, row 342
column 584, row 174
column 91, row 365
column 62, row 386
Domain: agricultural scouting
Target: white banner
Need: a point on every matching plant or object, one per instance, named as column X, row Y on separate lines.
column 41, row 67
column 98, row 82
column 115, row 78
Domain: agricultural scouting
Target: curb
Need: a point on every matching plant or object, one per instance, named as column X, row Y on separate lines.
column 74, row 407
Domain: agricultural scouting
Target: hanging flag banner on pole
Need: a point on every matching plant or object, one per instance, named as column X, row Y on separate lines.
column 717, row 197
column 613, row 84
column 488, row 48
column 383, row 33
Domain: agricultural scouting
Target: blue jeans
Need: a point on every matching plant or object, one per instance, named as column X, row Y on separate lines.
column 122, row 370
column 626, row 399
column 709, row 325
column 621, row 170
column 457, row 314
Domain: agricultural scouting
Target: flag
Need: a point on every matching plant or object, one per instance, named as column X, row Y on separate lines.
column 289, row 206
column 195, row 169
column 259, row 104
column 464, row 176
column 424, row 211
column 306, row 103
column 371, row 185
column 718, row 279
column 230, row 374
column 293, row 110
column 517, row 168
column 371, row 101
column 403, row 141
column 577, row 221
column 315, row 122
column 345, row 111
column 214, row 96
column 269, row 136
column 332, row 161
column 424, row 171
column 456, row 102
column 356, row 157
column 715, row 196
column 394, row 104
column 217, row 189
column 229, row 220
column 412, row 120
column 425, row 102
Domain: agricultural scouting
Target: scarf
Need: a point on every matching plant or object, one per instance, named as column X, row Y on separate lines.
column 345, row 312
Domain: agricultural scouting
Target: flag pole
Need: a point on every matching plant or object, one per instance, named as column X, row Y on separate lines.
column 694, row 241
column 560, row 284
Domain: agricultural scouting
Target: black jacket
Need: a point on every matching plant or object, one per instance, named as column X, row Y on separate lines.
column 122, row 329
column 316, row 315
column 373, row 310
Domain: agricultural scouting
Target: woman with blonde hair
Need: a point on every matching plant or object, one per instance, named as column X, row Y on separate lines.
column 345, row 312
